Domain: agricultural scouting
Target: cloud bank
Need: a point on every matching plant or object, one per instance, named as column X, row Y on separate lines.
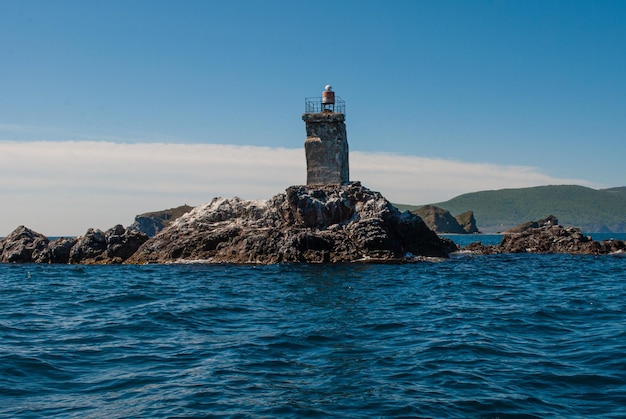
column 63, row 188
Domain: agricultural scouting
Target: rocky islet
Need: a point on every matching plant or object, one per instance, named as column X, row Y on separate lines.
column 328, row 224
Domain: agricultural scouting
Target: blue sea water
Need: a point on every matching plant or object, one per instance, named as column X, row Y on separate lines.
column 499, row 336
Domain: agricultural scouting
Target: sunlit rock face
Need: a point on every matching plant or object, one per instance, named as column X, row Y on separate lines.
column 23, row 245
column 150, row 223
column 326, row 223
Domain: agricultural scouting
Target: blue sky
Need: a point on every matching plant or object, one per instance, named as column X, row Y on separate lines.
column 501, row 93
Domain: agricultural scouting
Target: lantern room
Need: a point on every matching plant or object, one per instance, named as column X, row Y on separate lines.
column 327, row 103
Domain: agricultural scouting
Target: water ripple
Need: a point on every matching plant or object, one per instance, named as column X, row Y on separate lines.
column 500, row 336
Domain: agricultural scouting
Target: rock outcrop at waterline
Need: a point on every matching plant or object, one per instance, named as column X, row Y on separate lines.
column 323, row 223
column 544, row 222
column 151, row 223
column 113, row 246
column 441, row 221
column 550, row 238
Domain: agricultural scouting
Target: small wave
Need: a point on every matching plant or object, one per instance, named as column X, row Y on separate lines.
column 504, row 336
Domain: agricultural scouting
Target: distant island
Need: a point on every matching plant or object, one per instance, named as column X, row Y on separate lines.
column 592, row 210
column 441, row 221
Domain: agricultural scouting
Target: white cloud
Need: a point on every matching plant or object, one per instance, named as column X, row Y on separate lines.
column 420, row 180
column 63, row 188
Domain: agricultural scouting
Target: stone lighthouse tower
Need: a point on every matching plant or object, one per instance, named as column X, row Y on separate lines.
column 326, row 144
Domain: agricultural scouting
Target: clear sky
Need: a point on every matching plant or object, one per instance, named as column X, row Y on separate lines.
column 113, row 108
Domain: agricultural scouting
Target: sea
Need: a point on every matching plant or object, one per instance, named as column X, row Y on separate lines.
column 472, row 336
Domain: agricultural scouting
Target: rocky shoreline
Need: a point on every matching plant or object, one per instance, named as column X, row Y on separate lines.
column 310, row 224
column 306, row 224
column 552, row 238
column 113, row 246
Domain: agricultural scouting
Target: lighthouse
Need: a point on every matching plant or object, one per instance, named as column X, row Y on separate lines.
column 326, row 144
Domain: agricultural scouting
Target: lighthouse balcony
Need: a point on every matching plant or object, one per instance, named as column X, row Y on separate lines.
column 317, row 105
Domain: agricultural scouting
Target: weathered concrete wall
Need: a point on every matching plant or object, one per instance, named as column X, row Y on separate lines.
column 326, row 148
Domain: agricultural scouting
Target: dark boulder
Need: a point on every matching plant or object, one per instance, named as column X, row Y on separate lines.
column 59, row 250
column 23, row 245
column 88, row 247
column 113, row 246
column 550, row 238
column 324, row 223
column 123, row 242
column 550, row 220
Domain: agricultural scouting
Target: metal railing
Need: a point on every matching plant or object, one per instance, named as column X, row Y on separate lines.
column 315, row 105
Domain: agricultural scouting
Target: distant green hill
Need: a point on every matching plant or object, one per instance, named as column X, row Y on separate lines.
column 592, row 210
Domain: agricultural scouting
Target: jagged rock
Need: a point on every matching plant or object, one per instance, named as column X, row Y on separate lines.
column 467, row 221
column 550, row 238
column 88, row 247
column 58, row 250
column 151, row 223
column 113, row 246
column 544, row 222
column 327, row 223
column 23, row 245
column 438, row 219
column 479, row 247
column 441, row 221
